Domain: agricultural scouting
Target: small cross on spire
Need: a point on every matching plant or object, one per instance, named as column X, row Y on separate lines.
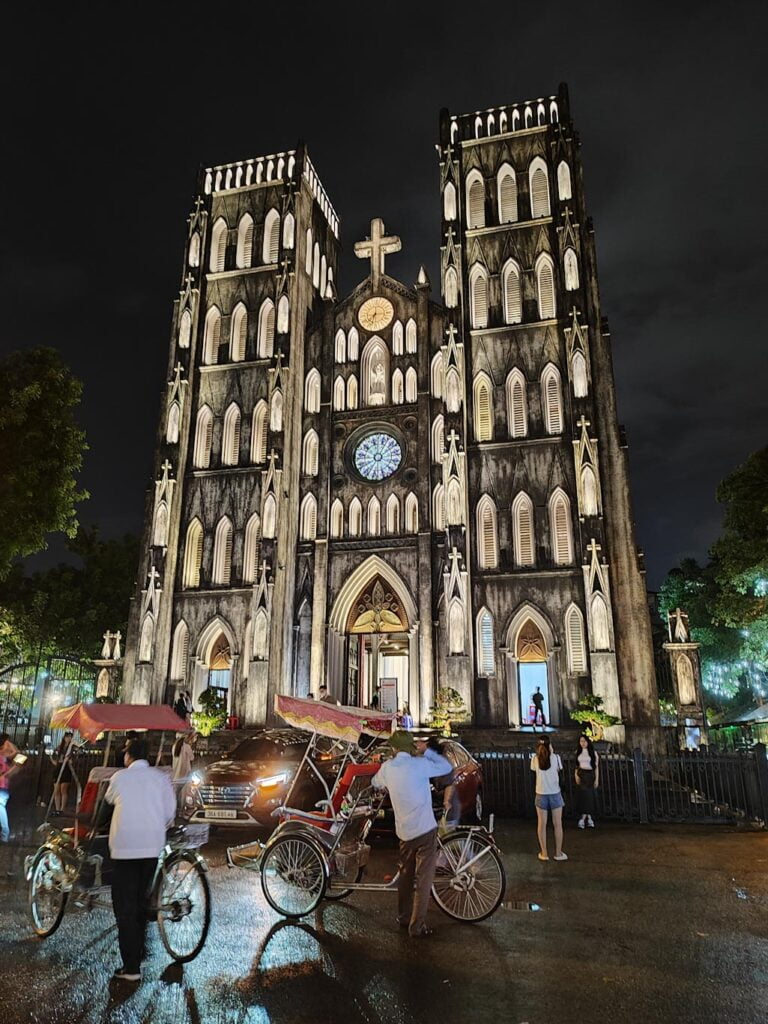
column 376, row 248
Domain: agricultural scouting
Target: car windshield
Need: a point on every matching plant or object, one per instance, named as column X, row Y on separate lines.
column 262, row 748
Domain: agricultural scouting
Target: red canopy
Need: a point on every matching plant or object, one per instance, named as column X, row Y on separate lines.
column 333, row 720
column 91, row 719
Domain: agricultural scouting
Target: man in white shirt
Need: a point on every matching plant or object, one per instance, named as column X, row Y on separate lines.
column 144, row 805
column 406, row 778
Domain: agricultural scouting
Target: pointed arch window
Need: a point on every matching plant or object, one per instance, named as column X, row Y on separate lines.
column 218, row 246
column 266, row 332
column 146, row 638
column 512, row 296
column 397, row 338
column 438, row 507
column 410, row 336
column 259, row 433
column 283, row 315
column 271, row 246
column 552, row 400
column 601, row 632
column 193, row 554
column 355, row 518
column 374, row 517
column 252, row 549
column 571, row 267
column 309, row 454
column 308, row 253
column 478, row 296
column 579, row 374
column 374, row 372
column 172, row 427
column 411, row 385
column 238, row 333
column 545, row 286
column 507, row 195
column 456, row 627
column 289, row 231
column 185, row 329
column 574, row 640
column 160, row 531
column 483, row 391
column 517, row 406
column 222, row 552
column 340, row 347
column 452, row 390
column 194, row 250
column 316, row 265
column 312, row 391
column 437, row 373
column 449, row 202
column 453, row 502
column 260, row 636
column 230, row 442
column 475, row 200
column 337, row 519
column 353, row 344
column 180, row 655
column 487, row 534
column 339, row 394
column 398, row 388
column 411, row 513
column 438, row 439
column 276, row 411
column 244, row 254
column 523, row 537
column 309, row 518
column 538, row 185
column 564, row 180
column 352, row 391
column 560, row 528
column 451, row 288
column 589, row 495
column 393, row 514
column 212, row 336
column 203, row 438
column 269, row 522
column 485, row 645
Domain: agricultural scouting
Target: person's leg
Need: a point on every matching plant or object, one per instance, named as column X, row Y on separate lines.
column 557, row 823
column 125, row 895
column 542, row 829
column 64, row 787
column 5, row 830
column 146, row 872
column 57, row 796
column 426, row 861
column 406, row 866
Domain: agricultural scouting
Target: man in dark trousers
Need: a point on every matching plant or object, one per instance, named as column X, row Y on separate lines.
column 538, row 703
column 144, row 805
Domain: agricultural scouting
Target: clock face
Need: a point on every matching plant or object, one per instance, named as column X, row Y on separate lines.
column 377, row 456
column 375, row 314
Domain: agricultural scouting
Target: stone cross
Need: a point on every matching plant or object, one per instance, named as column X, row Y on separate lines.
column 153, row 575
column 376, row 248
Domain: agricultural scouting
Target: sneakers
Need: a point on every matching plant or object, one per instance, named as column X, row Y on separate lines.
column 121, row 974
column 590, row 823
column 543, row 856
column 582, row 822
column 561, row 856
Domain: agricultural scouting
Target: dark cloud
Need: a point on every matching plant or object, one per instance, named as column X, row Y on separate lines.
column 110, row 113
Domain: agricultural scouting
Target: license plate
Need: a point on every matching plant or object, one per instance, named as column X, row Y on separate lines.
column 221, row 814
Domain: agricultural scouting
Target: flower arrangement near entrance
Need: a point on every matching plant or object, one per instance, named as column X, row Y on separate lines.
column 448, row 707
column 589, row 710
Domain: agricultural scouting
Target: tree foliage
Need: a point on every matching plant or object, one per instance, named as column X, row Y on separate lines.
column 41, row 451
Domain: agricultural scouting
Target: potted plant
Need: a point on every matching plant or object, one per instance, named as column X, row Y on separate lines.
column 212, row 715
column 448, row 707
column 590, row 714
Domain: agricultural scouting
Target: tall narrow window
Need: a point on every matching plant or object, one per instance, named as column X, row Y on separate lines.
column 212, row 336
column 410, row 336
column 355, row 518
column 449, row 202
column 172, row 427
column 451, row 288
column 563, row 180
column 316, row 265
column 146, row 638
column 538, row 186
column 393, row 514
column 180, row 654
column 590, row 504
column 283, row 315
column 352, row 391
column 483, row 389
column 353, row 345
column 185, row 329
column 160, row 531
column 437, row 439
column 571, row 267
column 252, row 549
column 507, row 195
column 437, row 373
column 222, row 552
column 475, row 200
column 266, row 333
column 339, row 394
column 323, row 276
column 309, row 455
column 452, row 390
column 245, row 660
column 308, row 253
column 411, row 513
column 289, row 231
column 238, row 333
column 374, row 373
column 271, row 246
column 193, row 554
column 523, row 531
column 517, row 407
column 309, row 518
column 337, row 519
column 374, row 517
column 545, row 286
column 398, row 388
column 194, row 250
column 218, row 246
column 601, row 632
column 456, row 627
column 513, row 303
column 259, row 433
column 438, row 508
column 269, row 521
column 340, row 347
column 397, row 338
column 579, row 374
column 244, row 255
column 485, row 646
column 260, row 636
column 560, row 528
column 230, row 441
column 552, row 400
column 276, row 411
column 574, row 640
column 487, row 534
column 411, row 385
column 478, row 296
column 203, row 438
column 312, row 391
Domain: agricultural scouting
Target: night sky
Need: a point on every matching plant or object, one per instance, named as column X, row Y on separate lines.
column 109, row 114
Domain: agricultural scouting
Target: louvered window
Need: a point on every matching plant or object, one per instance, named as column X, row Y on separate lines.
column 180, row 653
column 312, row 391
column 437, row 440
column 574, row 637
column 488, row 555
column 259, row 433
column 517, row 411
column 546, row 288
column 513, row 305
column 212, row 336
column 222, row 553
column 252, row 550
column 218, row 246
column 553, row 407
column 478, row 289
column 266, row 329
column 485, row 652
column 539, row 186
column 244, row 255
column 271, row 248
column 310, row 453
column 523, row 530
column 476, row 204
column 239, row 334
column 309, row 518
column 230, row 445
column 438, row 507
column 203, row 438
column 193, row 554
column 483, row 411
column 507, row 197
column 437, row 373
column 560, row 526
column 411, row 385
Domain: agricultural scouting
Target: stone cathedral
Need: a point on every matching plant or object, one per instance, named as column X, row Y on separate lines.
column 391, row 485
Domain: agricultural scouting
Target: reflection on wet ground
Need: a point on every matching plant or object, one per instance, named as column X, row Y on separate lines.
column 645, row 920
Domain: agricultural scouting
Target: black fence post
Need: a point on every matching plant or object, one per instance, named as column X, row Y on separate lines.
column 761, row 764
column 642, row 797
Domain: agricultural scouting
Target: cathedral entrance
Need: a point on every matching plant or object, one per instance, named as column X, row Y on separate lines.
column 220, row 668
column 529, row 669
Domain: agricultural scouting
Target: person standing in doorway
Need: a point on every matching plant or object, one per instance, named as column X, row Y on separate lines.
column 547, row 766
column 325, row 696
column 180, row 706
column 406, row 778
column 587, row 780
column 144, row 805
column 538, row 703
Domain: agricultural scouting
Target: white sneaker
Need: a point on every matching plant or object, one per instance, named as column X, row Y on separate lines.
column 582, row 823
column 561, row 856
column 590, row 823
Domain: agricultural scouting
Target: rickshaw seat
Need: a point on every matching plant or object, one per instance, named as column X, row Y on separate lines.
column 351, row 773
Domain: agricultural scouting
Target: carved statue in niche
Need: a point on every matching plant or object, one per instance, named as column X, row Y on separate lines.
column 686, row 686
column 378, row 377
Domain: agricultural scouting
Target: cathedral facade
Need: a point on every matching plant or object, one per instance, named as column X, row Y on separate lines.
column 391, row 489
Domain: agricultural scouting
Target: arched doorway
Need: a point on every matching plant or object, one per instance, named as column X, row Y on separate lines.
column 530, row 661
column 220, row 668
column 215, row 662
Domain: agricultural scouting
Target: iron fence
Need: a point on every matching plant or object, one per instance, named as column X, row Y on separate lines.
column 30, row 691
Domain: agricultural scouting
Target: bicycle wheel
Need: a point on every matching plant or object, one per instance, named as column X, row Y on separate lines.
column 469, row 893
column 341, row 894
column 47, row 899
column 183, row 906
column 294, row 875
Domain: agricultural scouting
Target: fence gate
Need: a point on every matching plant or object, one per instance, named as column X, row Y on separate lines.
column 31, row 691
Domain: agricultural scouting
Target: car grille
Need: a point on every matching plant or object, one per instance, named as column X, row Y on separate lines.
column 236, row 795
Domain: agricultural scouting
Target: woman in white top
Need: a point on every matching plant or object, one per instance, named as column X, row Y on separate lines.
column 182, row 755
column 587, row 780
column 546, row 763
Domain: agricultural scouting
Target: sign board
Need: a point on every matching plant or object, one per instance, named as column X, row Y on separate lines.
column 388, row 696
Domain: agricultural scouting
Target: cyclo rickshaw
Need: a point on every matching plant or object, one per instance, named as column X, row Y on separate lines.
column 322, row 854
column 71, row 866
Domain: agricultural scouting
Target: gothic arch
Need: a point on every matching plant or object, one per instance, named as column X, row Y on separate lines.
column 374, row 372
column 525, row 612
column 358, row 580
column 210, row 634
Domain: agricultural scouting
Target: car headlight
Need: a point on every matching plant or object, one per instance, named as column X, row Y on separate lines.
column 195, row 779
column 272, row 780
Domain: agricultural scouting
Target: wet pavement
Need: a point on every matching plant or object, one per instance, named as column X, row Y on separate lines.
column 645, row 924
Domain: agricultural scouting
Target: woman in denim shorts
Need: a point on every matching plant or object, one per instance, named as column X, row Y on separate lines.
column 547, row 764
